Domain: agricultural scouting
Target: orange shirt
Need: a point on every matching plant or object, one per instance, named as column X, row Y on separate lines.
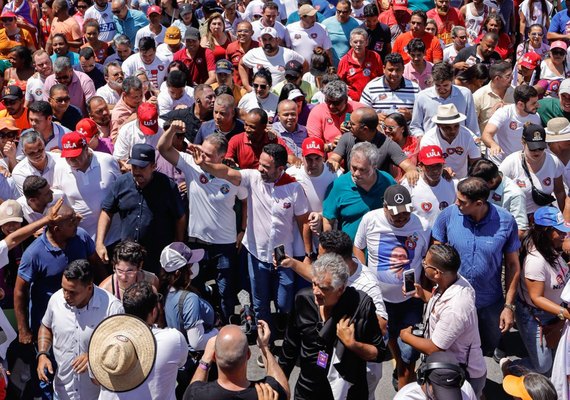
column 434, row 52
column 445, row 24
column 21, row 122
column 70, row 28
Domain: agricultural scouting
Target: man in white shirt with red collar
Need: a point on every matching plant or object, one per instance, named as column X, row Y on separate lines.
column 277, row 206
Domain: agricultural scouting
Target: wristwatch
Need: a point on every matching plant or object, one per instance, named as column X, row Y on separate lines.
column 511, row 307
column 312, row 255
column 561, row 314
column 203, row 365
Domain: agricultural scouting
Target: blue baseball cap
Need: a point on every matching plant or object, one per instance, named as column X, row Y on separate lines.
column 551, row 216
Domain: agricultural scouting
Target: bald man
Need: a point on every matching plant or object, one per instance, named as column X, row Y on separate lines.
column 363, row 127
column 42, row 265
column 230, row 350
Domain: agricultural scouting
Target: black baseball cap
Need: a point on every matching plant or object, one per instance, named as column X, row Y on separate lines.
column 294, row 68
column 142, row 155
column 534, row 136
column 12, row 92
column 445, row 382
column 397, row 199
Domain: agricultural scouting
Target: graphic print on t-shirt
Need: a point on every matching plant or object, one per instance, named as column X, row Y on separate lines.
column 394, row 256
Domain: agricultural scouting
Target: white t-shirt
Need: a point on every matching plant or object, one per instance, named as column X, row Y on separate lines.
column 128, row 136
column 429, row 201
column 458, row 152
column 252, row 5
column 256, row 58
column 543, row 179
column 111, row 96
column 315, row 187
column 453, row 325
column 509, row 130
column 269, row 104
column 554, row 277
column 155, row 71
column 304, row 41
column 365, row 280
column 278, row 26
column 146, row 32
column 272, row 209
column 449, row 53
column 538, row 16
column 413, row 391
column 391, row 250
column 211, row 202
column 85, row 191
column 166, row 103
column 35, row 88
column 164, row 52
column 107, row 27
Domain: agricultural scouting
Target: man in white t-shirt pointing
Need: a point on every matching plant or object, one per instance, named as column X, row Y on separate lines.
column 503, row 132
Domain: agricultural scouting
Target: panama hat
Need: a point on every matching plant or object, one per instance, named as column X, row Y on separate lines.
column 122, row 352
column 447, row 114
column 557, row 130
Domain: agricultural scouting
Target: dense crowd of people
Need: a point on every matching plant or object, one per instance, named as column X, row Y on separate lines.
column 341, row 182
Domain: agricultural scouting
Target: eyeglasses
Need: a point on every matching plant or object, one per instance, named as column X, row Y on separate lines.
column 116, row 12
column 427, row 266
column 8, row 135
column 462, row 37
column 258, row 86
column 8, row 19
column 343, row 11
column 389, row 128
column 128, row 272
column 61, row 100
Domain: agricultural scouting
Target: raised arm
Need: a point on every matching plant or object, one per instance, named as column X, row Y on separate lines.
column 218, row 170
column 165, row 146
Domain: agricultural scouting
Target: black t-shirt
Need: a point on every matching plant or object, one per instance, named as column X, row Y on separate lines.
column 379, row 39
column 213, row 391
column 470, row 53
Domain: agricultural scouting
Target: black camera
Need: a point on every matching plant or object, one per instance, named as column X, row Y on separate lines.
column 248, row 324
column 418, row 329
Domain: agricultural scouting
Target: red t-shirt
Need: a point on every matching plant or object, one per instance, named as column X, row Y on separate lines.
column 245, row 154
column 434, row 52
column 445, row 24
column 198, row 66
column 503, row 46
column 357, row 76
column 234, row 53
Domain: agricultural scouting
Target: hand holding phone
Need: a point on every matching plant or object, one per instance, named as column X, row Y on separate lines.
column 279, row 254
column 409, row 280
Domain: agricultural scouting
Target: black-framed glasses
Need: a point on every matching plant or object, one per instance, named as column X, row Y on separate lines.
column 259, row 86
column 343, row 12
column 61, row 100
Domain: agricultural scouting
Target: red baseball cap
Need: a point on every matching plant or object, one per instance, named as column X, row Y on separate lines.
column 153, row 9
column 88, row 128
column 312, row 145
column 400, row 5
column 430, row 155
column 8, row 14
column 530, row 60
column 72, row 144
column 148, row 119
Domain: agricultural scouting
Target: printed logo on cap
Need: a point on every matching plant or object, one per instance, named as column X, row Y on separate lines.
column 536, row 136
column 150, row 122
column 399, row 198
column 7, row 90
column 432, row 153
column 313, row 145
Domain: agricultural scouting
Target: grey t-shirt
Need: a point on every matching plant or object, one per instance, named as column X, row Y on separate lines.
column 390, row 151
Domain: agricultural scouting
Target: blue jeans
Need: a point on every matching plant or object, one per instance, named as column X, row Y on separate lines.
column 400, row 316
column 489, row 326
column 269, row 284
column 540, row 357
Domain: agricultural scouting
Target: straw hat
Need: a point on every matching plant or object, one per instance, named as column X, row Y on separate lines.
column 122, row 352
column 447, row 114
column 557, row 130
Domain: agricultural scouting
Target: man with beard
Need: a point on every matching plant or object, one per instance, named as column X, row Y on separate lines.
column 418, row 21
column 277, row 207
column 550, row 107
column 224, row 122
column 113, row 89
column 445, row 17
column 13, row 101
column 35, row 85
column 270, row 56
column 98, row 111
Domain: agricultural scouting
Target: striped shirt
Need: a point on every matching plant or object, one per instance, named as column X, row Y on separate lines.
column 378, row 95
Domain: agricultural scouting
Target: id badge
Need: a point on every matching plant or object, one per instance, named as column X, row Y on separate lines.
column 322, row 359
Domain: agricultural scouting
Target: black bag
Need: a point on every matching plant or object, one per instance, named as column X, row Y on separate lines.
column 538, row 196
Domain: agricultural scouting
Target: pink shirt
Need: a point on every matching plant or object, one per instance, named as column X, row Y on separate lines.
column 422, row 79
column 324, row 125
column 453, row 325
column 80, row 89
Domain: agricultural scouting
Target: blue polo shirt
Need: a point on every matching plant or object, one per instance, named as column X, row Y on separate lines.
column 558, row 23
column 42, row 266
column 481, row 246
column 134, row 20
column 347, row 203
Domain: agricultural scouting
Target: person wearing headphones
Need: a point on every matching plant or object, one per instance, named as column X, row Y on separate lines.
column 440, row 377
column 450, row 319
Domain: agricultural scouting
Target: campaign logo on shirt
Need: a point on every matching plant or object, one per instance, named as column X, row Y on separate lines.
column 225, row 188
column 203, row 179
column 442, row 205
column 329, row 121
column 451, row 150
column 199, row 60
column 39, row 92
column 286, row 205
column 351, row 71
column 366, row 72
column 426, row 206
column 297, row 36
column 547, row 181
column 520, row 183
column 161, row 67
column 378, row 46
column 383, row 96
column 496, row 197
column 314, row 35
column 513, row 125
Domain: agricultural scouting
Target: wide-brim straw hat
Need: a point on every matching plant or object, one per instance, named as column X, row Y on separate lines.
column 122, row 352
column 447, row 114
column 557, row 130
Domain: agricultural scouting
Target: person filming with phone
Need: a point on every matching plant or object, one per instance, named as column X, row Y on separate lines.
column 450, row 321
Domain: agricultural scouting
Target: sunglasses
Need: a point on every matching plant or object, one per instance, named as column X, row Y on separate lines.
column 558, row 52
column 8, row 19
column 342, row 11
column 10, row 102
column 8, row 135
column 61, row 100
column 258, row 86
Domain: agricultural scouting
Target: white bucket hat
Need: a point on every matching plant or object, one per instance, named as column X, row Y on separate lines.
column 557, row 130
column 447, row 114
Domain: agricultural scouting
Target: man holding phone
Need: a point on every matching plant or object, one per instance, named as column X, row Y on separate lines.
column 396, row 244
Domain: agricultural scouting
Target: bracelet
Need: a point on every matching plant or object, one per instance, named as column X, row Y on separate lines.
column 39, row 353
column 510, row 307
column 203, row 365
